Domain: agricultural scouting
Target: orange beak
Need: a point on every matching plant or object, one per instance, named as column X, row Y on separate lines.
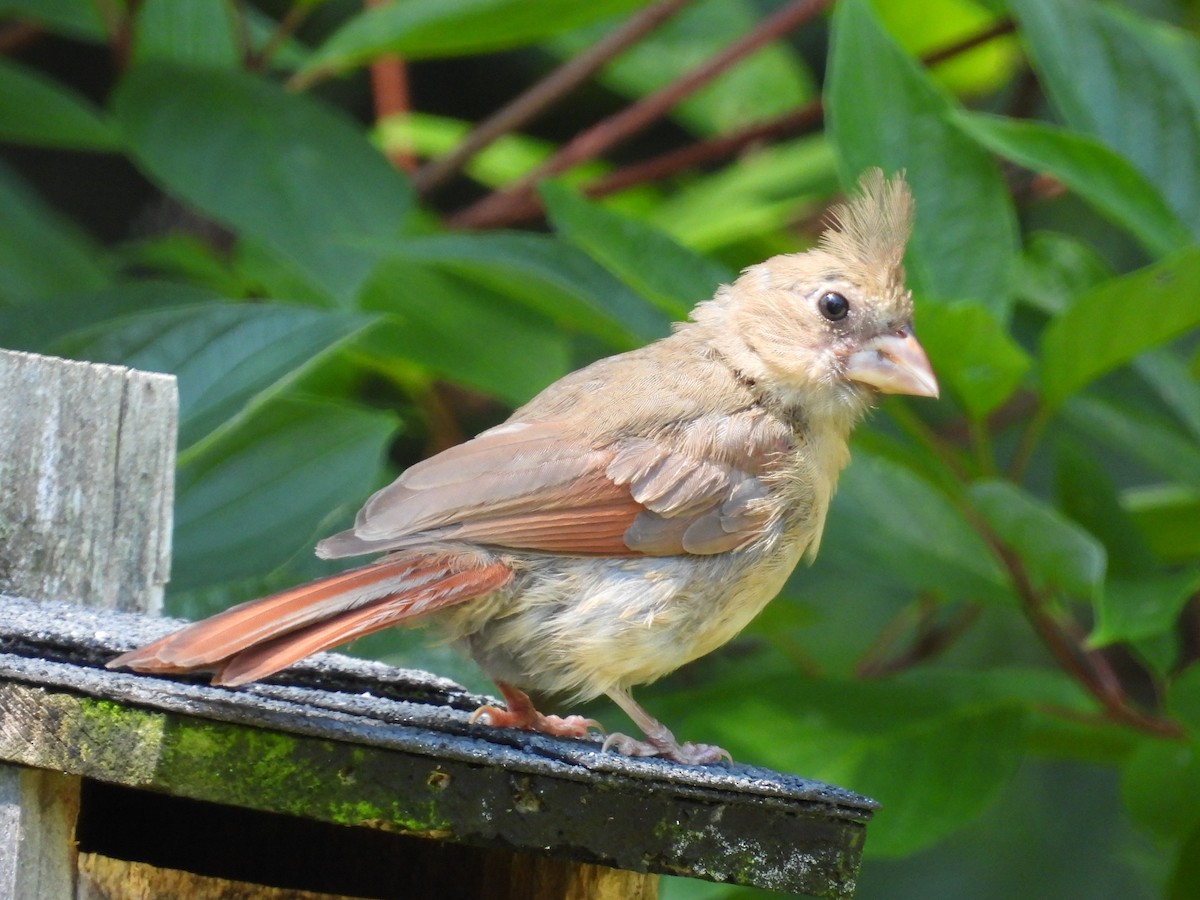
column 895, row 364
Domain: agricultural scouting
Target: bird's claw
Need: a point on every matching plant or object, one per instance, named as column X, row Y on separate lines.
column 556, row 726
column 687, row 753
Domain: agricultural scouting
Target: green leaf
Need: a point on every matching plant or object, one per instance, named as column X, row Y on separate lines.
column 189, row 258
column 1056, row 552
column 1159, row 787
column 884, row 110
column 1127, row 81
column 958, row 763
column 766, row 191
column 916, row 537
column 1085, row 492
column 256, row 496
column 1185, row 877
column 226, row 356
column 973, row 354
column 1099, row 175
column 1183, row 700
column 1115, row 321
column 768, row 83
column 77, row 19
column 673, row 277
column 283, row 169
column 37, row 110
column 552, row 277
column 188, row 32
column 1179, row 388
column 1134, row 430
column 461, row 331
column 1057, row 268
column 428, row 29
column 31, row 235
column 64, row 318
column 1169, row 517
column 1133, row 610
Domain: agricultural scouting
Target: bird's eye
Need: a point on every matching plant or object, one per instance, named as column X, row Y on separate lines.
column 833, row 306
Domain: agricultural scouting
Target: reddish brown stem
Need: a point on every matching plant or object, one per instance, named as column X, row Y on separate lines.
column 551, row 89
column 602, row 136
column 929, row 642
column 389, row 88
column 806, row 119
column 800, row 121
column 1002, row 27
column 1102, row 683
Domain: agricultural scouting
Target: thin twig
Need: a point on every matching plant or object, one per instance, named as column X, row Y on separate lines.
column 1101, row 683
column 288, row 26
column 803, row 120
column 633, row 119
column 889, row 635
column 551, row 89
column 929, row 642
column 389, row 86
column 389, row 91
column 245, row 43
column 806, row 119
column 1029, row 439
column 981, row 446
column 1000, row 28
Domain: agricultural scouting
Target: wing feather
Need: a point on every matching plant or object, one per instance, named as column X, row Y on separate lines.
column 695, row 487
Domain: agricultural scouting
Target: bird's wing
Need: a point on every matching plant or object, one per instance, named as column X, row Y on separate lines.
column 695, row 487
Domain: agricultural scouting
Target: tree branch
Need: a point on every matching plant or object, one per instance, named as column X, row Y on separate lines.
column 1098, row 679
column 551, row 89
column 496, row 208
column 930, row 639
column 806, row 119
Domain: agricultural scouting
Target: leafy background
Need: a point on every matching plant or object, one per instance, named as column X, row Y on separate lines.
column 999, row 638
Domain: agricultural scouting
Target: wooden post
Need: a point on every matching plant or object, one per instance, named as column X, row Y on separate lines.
column 87, row 455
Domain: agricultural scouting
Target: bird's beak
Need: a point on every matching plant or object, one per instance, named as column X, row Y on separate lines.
column 895, row 364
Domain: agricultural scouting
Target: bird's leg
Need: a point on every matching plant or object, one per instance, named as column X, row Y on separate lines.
column 659, row 740
column 521, row 714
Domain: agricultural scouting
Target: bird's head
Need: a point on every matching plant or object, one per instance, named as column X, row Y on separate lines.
column 831, row 327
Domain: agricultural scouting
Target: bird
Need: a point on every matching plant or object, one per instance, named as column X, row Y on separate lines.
column 636, row 514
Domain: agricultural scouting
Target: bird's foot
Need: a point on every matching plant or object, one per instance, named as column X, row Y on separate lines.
column 667, row 748
column 532, row 720
column 522, row 714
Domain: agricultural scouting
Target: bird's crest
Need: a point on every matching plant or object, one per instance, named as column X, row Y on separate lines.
column 872, row 228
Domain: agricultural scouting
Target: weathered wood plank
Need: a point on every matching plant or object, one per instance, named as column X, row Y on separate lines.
column 87, row 463
column 386, row 752
column 86, row 481
column 37, row 815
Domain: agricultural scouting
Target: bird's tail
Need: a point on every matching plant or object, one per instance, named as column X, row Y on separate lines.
column 254, row 639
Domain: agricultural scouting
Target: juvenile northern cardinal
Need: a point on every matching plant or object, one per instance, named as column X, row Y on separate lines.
column 636, row 514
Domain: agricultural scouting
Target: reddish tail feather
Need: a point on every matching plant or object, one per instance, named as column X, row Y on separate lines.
column 254, row 639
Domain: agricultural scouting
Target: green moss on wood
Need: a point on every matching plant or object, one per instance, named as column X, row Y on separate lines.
column 287, row 773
